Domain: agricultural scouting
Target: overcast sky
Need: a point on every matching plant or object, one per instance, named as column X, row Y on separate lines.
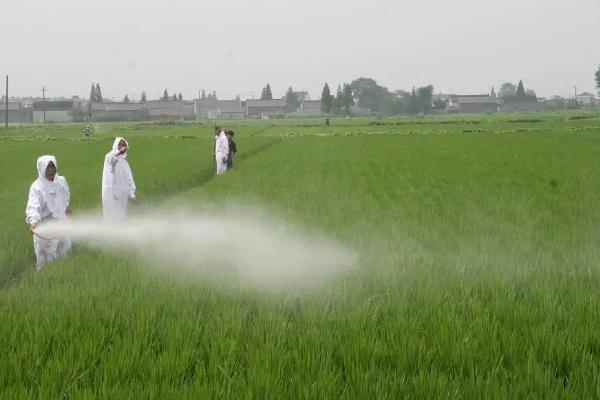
column 235, row 47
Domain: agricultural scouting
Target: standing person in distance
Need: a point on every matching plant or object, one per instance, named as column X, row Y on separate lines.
column 232, row 149
column 221, row 151
column 49, row 198
column 118, row 187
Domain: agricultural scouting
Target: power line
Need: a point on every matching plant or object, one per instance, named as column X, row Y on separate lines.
column 44, row 102
column 6, row 106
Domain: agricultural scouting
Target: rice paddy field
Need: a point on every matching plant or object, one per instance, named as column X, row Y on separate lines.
column 477, row 271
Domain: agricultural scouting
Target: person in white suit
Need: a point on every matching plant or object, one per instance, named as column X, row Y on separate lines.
column 49, row 198
column 221, row 150
column 118, row 187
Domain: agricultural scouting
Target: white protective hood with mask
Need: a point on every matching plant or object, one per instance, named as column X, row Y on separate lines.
column 47, row 199
column 117, row 182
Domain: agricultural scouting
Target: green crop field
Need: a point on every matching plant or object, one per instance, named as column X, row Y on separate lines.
column 477, row 272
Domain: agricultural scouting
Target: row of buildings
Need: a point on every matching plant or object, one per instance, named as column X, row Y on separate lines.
column 77, row 109
column 80, row 110
column 481, row 103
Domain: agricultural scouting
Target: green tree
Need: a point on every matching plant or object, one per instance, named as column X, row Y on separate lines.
column 390, row 105
column 368, row 93
column 337, row 101
column 326, row 100
column 413, row 103
column 406, row 101
column 598, row 78
column 165, row 96
column 423, row 97
column 93, row 98
column 143, row 97
column 291, row 100
column 203, row 97
column 99, row 98
column 521, row 89
column 126, row 99
column 507, row 89
column 266, row 93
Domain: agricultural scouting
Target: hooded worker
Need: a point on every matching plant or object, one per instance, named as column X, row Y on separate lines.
column 117, row 181
column 221, row 152
column 48, row 200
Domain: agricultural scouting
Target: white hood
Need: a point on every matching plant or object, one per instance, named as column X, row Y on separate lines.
column 42, row 164
column 116, row 146
column 47, row 198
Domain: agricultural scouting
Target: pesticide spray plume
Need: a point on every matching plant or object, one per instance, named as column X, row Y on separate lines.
column 245, row 246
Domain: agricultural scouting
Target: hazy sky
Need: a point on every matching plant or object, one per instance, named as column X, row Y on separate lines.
column 459, row 46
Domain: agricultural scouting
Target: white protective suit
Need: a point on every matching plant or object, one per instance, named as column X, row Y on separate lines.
column 117, row 183
column 48, row 200
column 221, row 152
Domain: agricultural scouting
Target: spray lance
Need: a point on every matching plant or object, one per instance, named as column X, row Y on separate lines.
column 33, row 229
column 40, row 236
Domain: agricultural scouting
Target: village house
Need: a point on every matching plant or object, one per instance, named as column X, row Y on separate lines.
column 170, row 110
column 219, row 109
column 586, row 99
column 58, row 110
column 17, row 112
column 265, row 108
column 308, row 108
column 472, row 104
column 118, row 111
column 523, row 103
column 206, row 108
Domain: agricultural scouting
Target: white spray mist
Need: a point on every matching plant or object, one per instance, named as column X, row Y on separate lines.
column 246, row 246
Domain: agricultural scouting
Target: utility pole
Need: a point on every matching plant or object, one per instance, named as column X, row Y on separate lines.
column 6, row 106
column 44, row 102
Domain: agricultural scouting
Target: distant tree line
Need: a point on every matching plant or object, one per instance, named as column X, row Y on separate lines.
column 210, row 96
column 96, row 96
column 511, row 90
column 175, row 97
column 367, row 94
column 341, row 103
column 517, row 94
